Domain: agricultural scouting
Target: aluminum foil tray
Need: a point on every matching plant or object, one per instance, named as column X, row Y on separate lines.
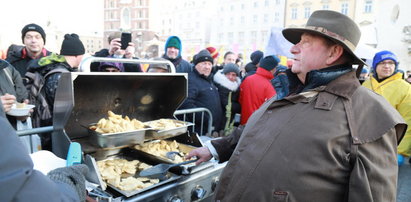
column 110, row 140
column 157, row 133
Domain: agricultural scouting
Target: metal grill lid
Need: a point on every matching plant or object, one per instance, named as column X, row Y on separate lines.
column 84, row 98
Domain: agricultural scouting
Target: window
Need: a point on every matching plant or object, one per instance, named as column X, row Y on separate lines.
column 344, row 8
column 242, row 20
column 240, row 37
column 277, row 2
column 242, row 6
column 307, row 12
column 232, row 8
column 220, row 38
column 125, row 18
column 255, row 18
column 253, row 36
column 231, row 20
column 263, row 36
column 255, row 4
column 294, row 13
column 265, row 19
column 266, row 3
column 368, row 6
column 230, row 37
column 276, row 17
column 326, row 6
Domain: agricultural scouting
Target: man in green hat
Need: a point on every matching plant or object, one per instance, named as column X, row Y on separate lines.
column 173, row 54
column 330, row 139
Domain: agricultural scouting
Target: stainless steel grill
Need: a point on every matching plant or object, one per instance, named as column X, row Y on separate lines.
column 84, row 98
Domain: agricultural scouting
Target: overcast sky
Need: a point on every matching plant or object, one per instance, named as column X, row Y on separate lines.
column 69, row 16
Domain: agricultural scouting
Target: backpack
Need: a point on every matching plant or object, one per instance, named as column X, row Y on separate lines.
column 35, row 87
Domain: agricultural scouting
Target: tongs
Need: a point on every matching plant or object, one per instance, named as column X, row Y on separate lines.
column 160, row 170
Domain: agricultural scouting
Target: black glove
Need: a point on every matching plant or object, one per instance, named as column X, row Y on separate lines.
column 73, row 176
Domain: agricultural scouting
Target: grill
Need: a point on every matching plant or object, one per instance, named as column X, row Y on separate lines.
column 84, row 98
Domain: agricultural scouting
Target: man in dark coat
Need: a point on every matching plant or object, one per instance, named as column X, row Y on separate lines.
column 203, row 93
column 172, row 52
column 315, row 144
column 34, row 39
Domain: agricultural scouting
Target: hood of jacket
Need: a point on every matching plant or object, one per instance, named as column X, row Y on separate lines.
column 168, row 40
column 221, row 79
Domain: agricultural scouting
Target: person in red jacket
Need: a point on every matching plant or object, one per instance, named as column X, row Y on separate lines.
column 257, row 88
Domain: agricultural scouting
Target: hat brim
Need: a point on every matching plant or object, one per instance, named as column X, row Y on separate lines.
column 293, row 35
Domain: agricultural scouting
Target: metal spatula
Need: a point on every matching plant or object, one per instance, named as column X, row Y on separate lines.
column 160, row 170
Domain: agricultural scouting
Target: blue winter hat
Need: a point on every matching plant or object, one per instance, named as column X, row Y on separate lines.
column 384, row 55
column 269, row 62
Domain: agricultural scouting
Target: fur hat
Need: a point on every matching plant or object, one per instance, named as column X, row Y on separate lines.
column 256, row 56
column 72, row 45
column 328, row 24
column 269, row 62
column 231, row 67
column 213, row 52
column 35, row 28
column 384, row 55
column 202, row 56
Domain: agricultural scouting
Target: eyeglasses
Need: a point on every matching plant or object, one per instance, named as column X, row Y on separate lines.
column 389, row 62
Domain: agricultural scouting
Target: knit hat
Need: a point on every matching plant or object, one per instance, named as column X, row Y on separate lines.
column 35, row 28
column 202, row 56
column 72, row 45
column 213, row 52
column 117, row 65
column 250, row 67
column 231, row 67
column 256, row 56
column 384, row 55
column 173, row 42
column 269, row 62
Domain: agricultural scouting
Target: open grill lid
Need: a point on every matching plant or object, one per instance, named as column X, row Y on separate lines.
column 85, row 98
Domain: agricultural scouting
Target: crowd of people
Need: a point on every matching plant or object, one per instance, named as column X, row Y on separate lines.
column 314, row 110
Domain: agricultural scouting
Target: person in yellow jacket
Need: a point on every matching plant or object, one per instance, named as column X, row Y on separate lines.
column 387, row 81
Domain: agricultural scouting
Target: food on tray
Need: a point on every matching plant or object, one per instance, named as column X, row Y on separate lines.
column 164, row 124
column 120, row 173
column 160, row 148
column 116, row 123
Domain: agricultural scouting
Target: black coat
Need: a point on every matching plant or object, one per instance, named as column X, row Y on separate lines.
column 16, row 59
column 203, row 93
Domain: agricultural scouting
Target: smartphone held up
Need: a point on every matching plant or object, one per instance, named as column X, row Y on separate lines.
column 125, row 39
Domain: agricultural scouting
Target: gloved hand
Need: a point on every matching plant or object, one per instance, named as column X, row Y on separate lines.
column 73, row 176
column 400, row 159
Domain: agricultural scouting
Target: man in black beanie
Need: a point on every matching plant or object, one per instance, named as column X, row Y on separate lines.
column 34, row 39
column 50, row 69
column 203, row 93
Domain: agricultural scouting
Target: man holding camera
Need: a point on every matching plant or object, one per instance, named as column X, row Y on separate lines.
column 115, row 51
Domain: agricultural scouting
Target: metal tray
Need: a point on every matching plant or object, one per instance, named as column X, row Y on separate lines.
column 160, row 159
column 128, row 156
column 172, row 178
column 164, row 134
column 110, row 140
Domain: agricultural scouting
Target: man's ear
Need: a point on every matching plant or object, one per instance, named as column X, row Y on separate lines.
column 334, row 54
